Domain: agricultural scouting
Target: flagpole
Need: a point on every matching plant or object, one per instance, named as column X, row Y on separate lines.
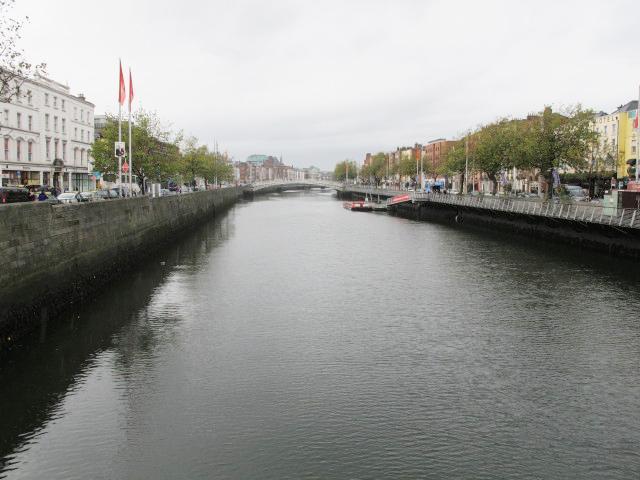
column 120, row 140
column 120, row 130
column 638, row 139
column 130, row 137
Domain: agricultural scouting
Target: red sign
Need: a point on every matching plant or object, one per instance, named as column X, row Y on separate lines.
column 125, row 167
column 400, row 198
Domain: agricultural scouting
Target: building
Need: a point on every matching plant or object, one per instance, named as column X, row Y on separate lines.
column 435, row 153
column 618, row 137
column 258, row 168
column 46, row 134
column 99, row 123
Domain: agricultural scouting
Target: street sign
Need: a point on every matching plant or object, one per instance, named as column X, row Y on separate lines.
column 119, row 149
column 125, row 167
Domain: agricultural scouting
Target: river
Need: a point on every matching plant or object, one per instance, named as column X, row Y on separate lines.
column 291, row 338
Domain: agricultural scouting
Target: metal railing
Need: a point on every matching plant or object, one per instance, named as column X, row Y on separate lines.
column 580, row 212
column 313, row 183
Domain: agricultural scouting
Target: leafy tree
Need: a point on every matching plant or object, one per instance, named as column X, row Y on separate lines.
column 340, row 171
column 193, row 161
column 496, row 148
column 14, row 67
column 407, row 167
column 551, row 140
column 216, row 169
column 156, row 155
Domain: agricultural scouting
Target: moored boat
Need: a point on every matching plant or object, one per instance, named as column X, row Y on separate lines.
column 358, row 206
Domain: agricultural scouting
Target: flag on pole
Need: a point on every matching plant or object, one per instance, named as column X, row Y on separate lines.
column 130, row 89
column 121, row 91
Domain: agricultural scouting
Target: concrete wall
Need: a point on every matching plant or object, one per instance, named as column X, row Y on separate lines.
column 51, row 255
column 622, row 242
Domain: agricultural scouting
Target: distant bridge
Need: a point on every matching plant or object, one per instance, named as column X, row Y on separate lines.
column 285, row 185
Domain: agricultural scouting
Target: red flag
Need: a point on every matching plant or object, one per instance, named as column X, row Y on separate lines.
column 635, row 122
column 121, row 93
column 130, row 89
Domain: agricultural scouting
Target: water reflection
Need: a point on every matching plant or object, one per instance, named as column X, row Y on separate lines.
column 47, row 365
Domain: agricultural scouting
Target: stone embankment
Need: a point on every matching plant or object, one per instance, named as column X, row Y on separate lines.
column 615, row 232
column 52, row 255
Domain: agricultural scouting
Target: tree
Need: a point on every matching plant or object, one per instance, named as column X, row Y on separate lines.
column 193, row 161
column 550, row 140
column 217, row 169
column 341, row 169
column 156, row 155
column 495, row 148
column 456, row 158
column 14, row 68
column 407, row 167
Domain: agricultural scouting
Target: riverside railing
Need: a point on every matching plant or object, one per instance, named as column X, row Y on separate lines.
column 580, row 212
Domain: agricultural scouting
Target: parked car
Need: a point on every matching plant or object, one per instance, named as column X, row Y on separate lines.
column 90, row 197
column 69, row 197
column 14, row 195
column 576, row 193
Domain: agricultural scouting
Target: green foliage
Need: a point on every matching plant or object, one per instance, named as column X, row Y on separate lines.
column 156, row 155
column 407, row 167
column 377, row 170
column 552, row 140
column 340, row 171
column 456, row 159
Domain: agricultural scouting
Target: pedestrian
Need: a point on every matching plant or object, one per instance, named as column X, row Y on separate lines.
column 42, row 197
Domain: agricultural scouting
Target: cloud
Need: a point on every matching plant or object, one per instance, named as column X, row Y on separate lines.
column 323, row 81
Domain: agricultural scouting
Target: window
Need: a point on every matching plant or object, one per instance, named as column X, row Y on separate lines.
column 64, row 150
column 55, row 102
column 19, row 120
column 82, row 135
column 81, row 157
column 18, row 142
column 46, row 99
column 75, row 113
column 46, row 121
column 29, row 97
column 48, row 144
column 6, row 149
column 75, row 155
column 30, row 122
column 6, row 117
column 55, row 148
column 55, row 124
column 82, row 115
column 64, row 125
column 62, row 102
column 30, row 151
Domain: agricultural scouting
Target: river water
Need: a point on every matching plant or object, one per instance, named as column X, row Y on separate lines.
column 291, row 338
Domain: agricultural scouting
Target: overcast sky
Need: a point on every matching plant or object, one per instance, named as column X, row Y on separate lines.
column 321, row 81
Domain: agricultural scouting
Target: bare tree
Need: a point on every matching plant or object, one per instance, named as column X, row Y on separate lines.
column 14, row 68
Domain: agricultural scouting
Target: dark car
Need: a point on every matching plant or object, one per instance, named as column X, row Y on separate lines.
column 14, row 195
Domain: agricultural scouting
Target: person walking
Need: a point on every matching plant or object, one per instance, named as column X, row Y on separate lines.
column 42, row 196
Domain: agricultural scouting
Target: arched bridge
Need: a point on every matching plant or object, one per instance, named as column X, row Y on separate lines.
column 284, row 185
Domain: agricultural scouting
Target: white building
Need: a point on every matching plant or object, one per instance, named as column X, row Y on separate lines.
column 46, row 136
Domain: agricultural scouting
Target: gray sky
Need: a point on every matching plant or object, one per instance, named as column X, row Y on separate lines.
column 320, row 81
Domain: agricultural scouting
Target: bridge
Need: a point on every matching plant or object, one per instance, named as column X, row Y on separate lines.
column 287, row 185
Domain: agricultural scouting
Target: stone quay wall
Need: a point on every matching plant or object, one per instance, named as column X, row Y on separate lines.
column 52, row 255
column 611, row 240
